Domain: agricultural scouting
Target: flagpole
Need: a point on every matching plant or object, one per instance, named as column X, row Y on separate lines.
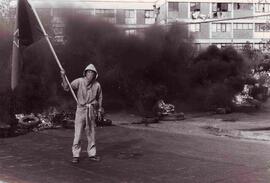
column 52, row 50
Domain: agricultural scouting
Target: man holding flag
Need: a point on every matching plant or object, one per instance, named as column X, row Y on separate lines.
column 29, row 33
column 89, row 95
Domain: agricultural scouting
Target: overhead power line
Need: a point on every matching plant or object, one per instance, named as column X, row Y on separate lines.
column 228, row 19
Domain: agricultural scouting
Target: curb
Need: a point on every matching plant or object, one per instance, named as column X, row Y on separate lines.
column 252, row 135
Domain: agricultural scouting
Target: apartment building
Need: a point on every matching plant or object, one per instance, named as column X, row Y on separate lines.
column 132, row 16
column 220, row 22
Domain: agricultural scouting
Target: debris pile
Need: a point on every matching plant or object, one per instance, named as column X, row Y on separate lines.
column 164, row 109
column 166, row 112
column 37, row 122
column 50, row 120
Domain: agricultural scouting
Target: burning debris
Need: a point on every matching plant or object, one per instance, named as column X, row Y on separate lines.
column 245, row 98
column 254, row 94
column 164, row 109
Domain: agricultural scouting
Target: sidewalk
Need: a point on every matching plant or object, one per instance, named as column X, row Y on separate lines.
column 254, row 126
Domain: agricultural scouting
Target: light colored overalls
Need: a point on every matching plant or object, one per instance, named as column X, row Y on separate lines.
column 89, row 101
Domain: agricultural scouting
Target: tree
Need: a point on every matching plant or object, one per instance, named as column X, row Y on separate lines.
column 4, row 17
column 4, row 9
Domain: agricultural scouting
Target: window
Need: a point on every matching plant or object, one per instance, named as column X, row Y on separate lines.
column 130, row 32
column 221, row 27
column 149, row 16
column 106, row 14
column 242, row 26
column 259, row 46
column 130, row 17
column 173, row 6
column 58, row 26
column 262, row 27
column 242, row 6
column 222, row 45
column 130, row 13
column 262, row 7
column 241, row 46
column 194, row 7
column 194, row 27
column 86, row 12
column 58, row 29
column 59, row 39
column 110, row 19
column 221, row 7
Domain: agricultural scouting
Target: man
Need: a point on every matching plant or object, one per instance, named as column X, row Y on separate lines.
column 89, row 95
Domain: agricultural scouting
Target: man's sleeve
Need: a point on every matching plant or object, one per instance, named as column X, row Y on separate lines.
column 75, row 84
column 99, row 98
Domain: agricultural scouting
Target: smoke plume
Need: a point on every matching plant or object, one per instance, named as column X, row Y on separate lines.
column 137, row 70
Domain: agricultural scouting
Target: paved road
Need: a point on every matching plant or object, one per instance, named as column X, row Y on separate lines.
column 134, row 156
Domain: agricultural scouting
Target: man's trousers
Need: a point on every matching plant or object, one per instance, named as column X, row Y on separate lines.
column 84, row 119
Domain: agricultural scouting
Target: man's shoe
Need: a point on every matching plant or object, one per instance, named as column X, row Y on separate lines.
column 75, row 160
column 94, row 158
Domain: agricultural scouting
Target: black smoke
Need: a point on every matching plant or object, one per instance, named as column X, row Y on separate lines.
column 217, row 75
column 135, row 70
column 5, row 52
column 37, row 89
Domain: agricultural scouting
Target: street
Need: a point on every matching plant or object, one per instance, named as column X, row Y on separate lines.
column 133, row 155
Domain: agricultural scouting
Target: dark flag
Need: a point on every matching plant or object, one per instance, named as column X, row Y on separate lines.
column 27, row 32
column 31, row 78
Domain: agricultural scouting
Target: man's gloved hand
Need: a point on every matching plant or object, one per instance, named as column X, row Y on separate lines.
column 99, row 116
column 63, row 72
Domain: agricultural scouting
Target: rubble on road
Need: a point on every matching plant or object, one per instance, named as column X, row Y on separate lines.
column 50, row 120
column 37, row 122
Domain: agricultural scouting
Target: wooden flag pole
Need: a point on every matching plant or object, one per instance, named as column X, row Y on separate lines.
column 52, row 50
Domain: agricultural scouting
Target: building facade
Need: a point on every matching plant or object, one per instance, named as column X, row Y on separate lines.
column 220, row 22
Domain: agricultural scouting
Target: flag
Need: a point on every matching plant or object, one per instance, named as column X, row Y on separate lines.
column 27, row 32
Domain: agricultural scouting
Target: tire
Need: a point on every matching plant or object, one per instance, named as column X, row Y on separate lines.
column 29, row 121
